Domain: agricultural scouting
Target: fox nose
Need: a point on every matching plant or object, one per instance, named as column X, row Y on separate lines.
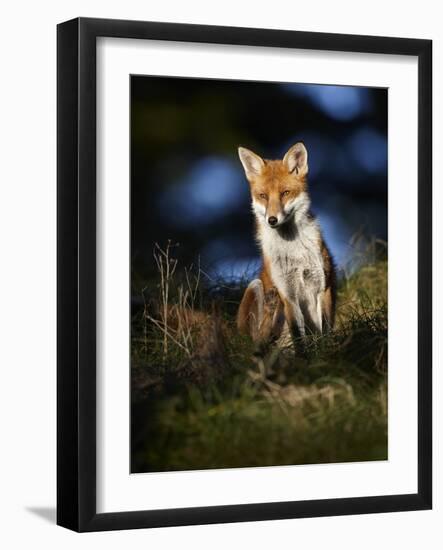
column 272, row 220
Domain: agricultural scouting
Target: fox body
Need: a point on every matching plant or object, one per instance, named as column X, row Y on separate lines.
column 297, row 282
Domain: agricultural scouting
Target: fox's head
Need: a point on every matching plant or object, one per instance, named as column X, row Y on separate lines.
column 278, row 187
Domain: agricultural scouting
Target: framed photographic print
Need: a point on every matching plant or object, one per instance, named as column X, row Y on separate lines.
column 244, row 274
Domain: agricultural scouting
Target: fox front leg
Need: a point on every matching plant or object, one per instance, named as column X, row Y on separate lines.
column 296, row 322
column 272, row 322
column 313, row 315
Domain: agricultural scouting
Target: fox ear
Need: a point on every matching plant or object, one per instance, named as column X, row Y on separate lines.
column 252, row 163
column 296, row 159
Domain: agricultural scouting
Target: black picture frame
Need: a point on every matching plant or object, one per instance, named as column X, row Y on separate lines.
column 76, row 266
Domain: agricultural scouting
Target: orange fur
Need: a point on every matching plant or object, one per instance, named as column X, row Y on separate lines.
column 279, row 195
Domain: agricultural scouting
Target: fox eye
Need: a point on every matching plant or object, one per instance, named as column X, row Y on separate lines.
column 285, row 193
column 263, row 196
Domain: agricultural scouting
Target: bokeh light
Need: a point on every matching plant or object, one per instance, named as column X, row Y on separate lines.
column 188, row 185
column 338, row 102
column 209, row 191
column 369, row 149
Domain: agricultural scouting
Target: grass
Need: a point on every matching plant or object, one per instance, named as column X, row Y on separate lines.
column 199, row 401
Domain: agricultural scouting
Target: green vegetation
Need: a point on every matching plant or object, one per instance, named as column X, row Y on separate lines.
column 200, row 401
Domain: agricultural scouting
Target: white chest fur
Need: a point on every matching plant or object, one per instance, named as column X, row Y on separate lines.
column 293, row 252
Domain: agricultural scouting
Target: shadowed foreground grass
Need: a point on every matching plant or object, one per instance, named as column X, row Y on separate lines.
column 199, row 401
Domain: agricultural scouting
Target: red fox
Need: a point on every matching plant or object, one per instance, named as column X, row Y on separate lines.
column 297, row 284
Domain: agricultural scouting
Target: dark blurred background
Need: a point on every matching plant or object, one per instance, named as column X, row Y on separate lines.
column 188, row 186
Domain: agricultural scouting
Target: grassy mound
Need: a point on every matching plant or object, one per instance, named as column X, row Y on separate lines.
column 199, row 400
